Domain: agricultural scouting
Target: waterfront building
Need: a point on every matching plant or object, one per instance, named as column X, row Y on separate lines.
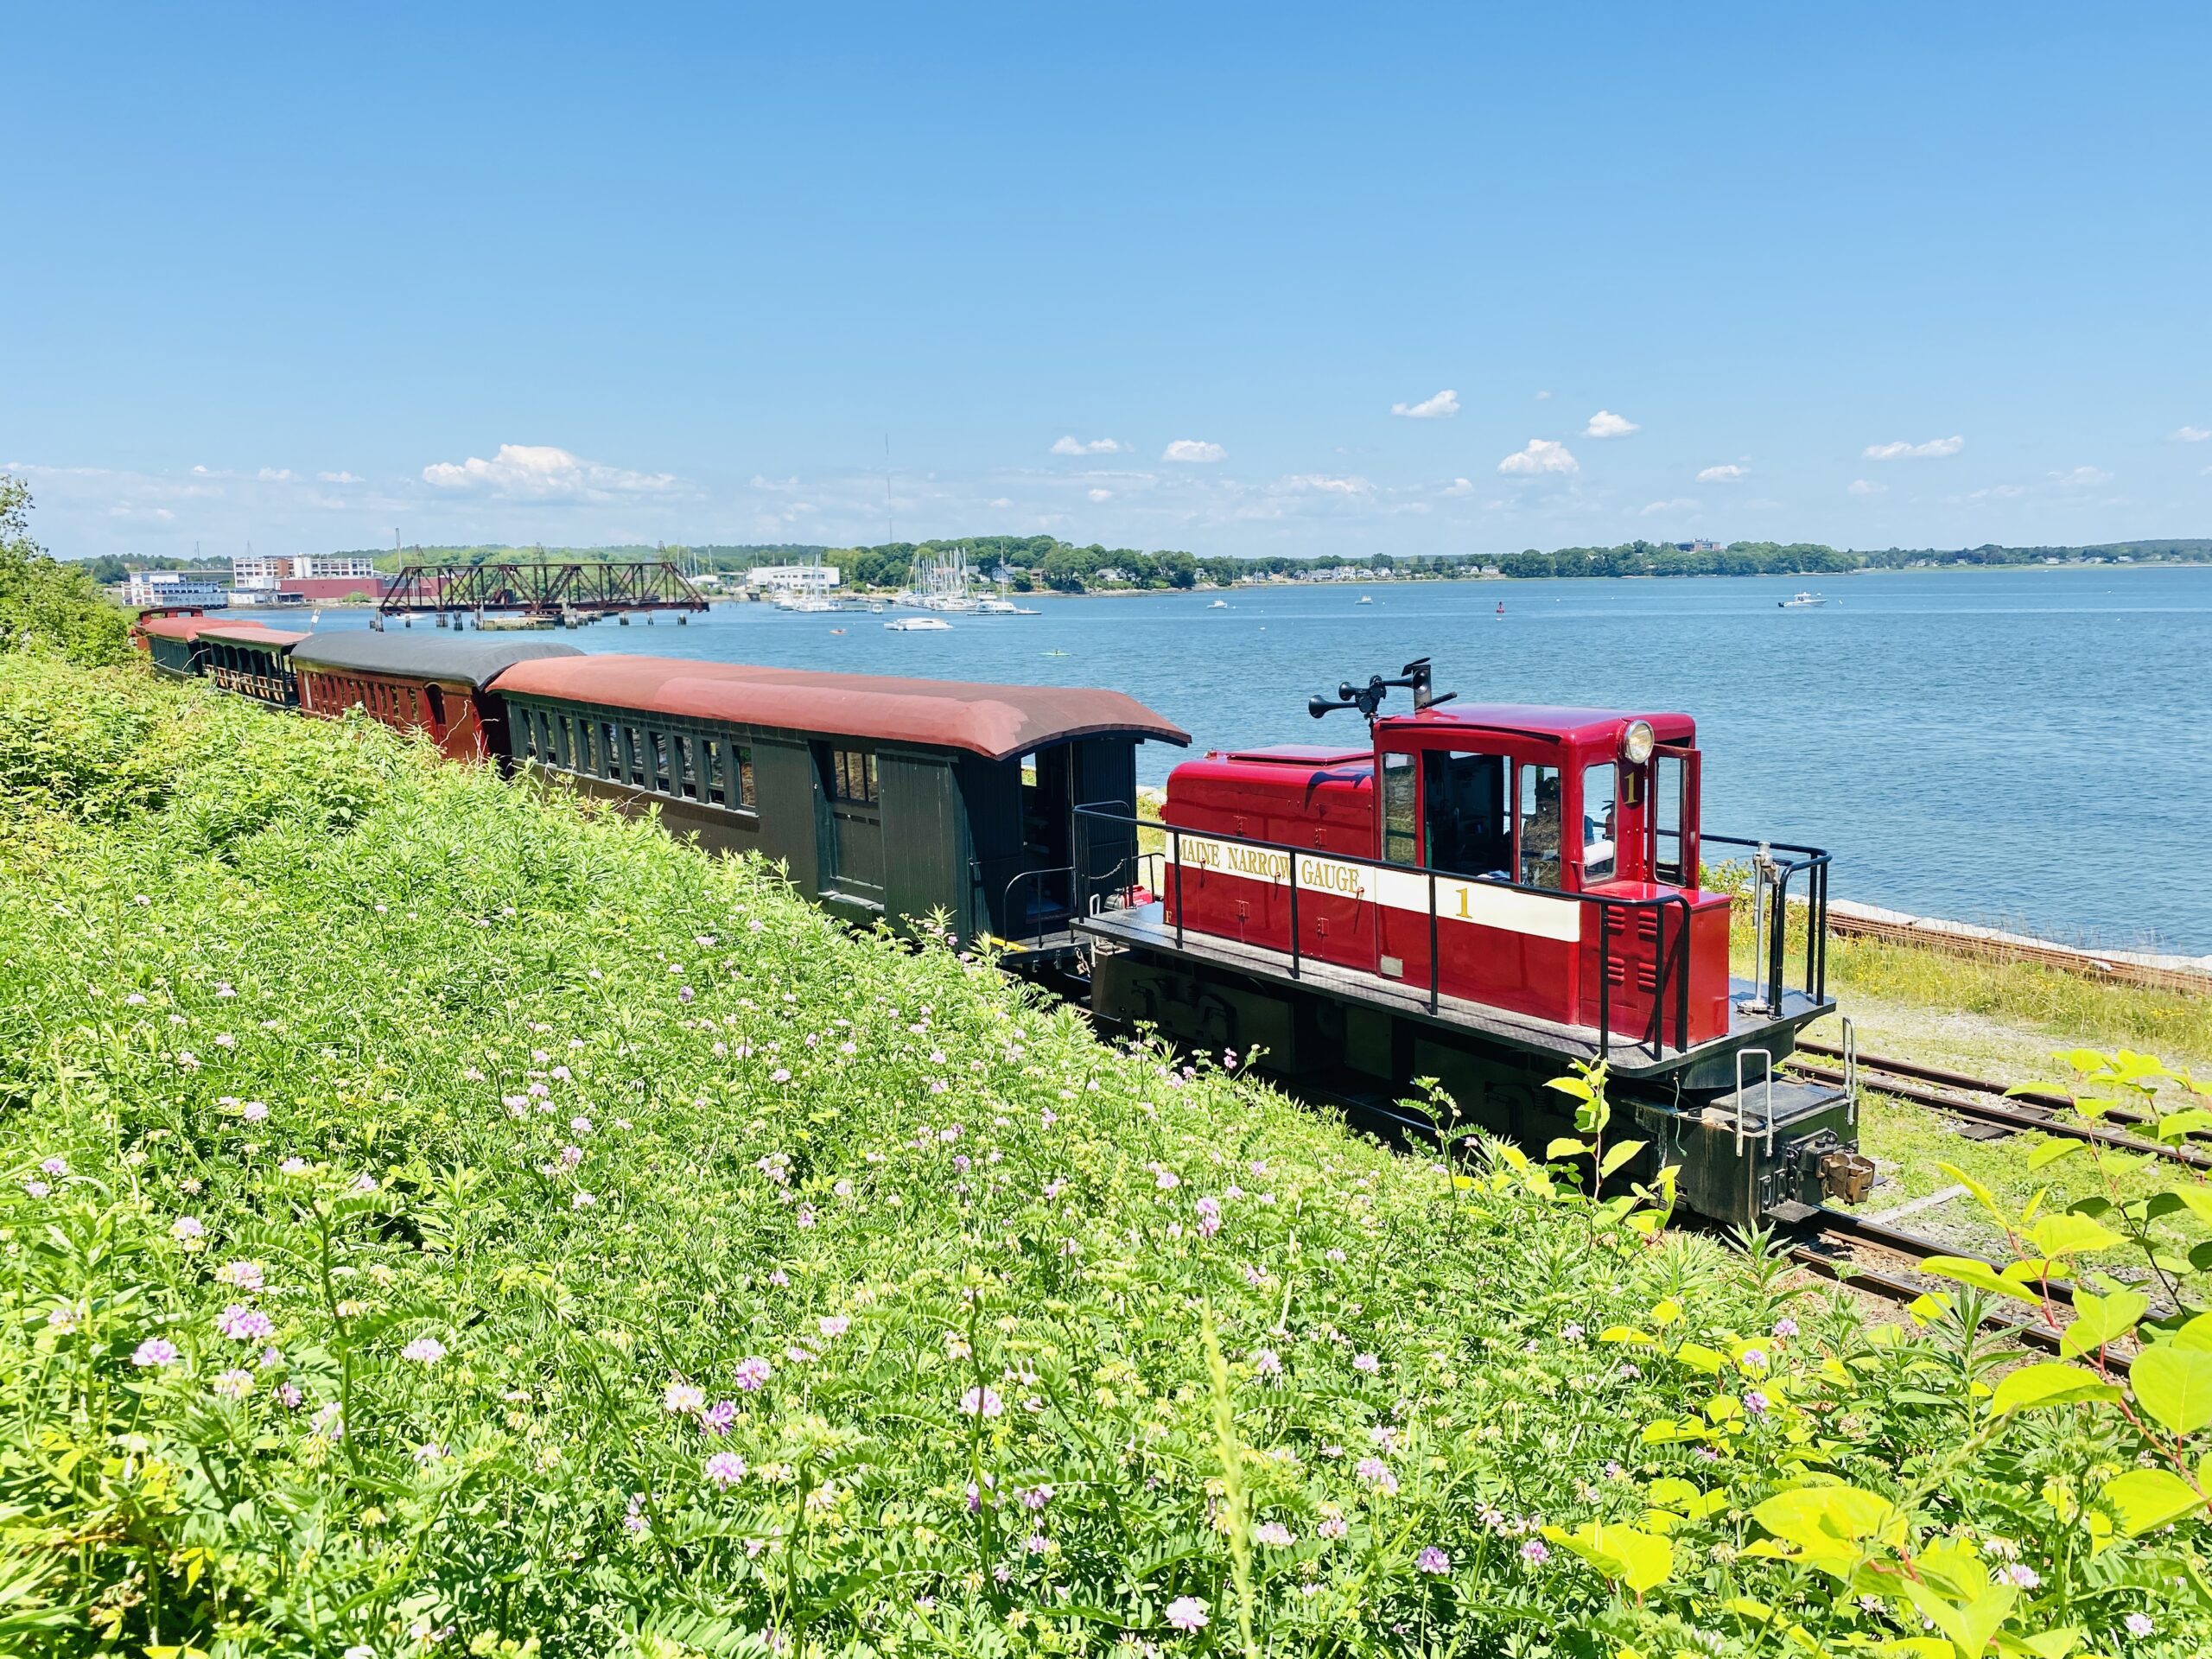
column 796, row 579
column 174, row 590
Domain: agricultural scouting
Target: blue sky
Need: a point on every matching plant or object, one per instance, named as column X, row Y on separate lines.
column 1877, row 274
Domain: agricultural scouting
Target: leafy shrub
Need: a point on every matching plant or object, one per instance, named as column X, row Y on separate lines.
column 46, row 605
column 470, row 1221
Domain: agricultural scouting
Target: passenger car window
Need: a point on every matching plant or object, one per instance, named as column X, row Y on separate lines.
column 1600, row 824
column 1540, row 827
column 852, row 777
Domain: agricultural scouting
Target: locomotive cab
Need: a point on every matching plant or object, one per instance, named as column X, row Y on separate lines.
column 1591, row 804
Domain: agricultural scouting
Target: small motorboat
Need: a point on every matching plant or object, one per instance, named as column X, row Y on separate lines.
column 919, row 625
column 837, row 630
column 1801, row 602
column 1218, row 604
column 1367, row 599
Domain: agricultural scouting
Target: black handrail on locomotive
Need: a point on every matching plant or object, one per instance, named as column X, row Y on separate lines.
column 1772, row 975
column 1673, row 958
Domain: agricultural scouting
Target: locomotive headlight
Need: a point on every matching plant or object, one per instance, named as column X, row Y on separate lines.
column 1637, row 741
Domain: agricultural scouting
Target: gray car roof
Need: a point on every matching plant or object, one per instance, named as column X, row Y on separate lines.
column 436, row 655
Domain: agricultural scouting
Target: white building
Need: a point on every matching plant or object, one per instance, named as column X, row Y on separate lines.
column 259, row 571
column 792, row 578
column 265, row 572
column 174, row 589
column 332, row 567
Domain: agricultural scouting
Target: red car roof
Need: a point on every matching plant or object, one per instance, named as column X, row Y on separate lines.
column 996, row 721
column 191, row 627
column 251, row 633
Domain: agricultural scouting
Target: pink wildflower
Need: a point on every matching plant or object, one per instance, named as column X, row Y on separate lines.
column 1187, row 1614
column 982, row 1402
column 725, row 1469
column 243, row 1323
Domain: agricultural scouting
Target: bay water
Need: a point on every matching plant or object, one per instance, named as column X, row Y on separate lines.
column 2026, row 747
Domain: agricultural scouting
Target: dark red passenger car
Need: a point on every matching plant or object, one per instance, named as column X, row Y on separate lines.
column 436, row 683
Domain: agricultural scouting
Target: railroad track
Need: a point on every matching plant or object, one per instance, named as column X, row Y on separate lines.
column 1980, row 1101
column 1837, row 1245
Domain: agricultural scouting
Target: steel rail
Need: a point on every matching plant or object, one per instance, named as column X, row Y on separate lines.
column 1937, row 1074
column 1838, row 1227
column 2055, row 1099
column 1872, row 1076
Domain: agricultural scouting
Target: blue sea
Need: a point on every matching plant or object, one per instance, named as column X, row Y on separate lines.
column 2024, row 747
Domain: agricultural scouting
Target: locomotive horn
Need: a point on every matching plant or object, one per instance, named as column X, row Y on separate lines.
column 1367, row 699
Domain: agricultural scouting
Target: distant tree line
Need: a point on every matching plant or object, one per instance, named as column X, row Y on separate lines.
column 1034, row 563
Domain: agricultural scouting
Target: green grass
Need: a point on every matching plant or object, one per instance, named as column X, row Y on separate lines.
column 534, row 1138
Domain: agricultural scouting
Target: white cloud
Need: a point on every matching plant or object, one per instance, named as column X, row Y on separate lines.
column 1445, row 402
column 1543, row 396
column 539, row 472
column 1543, row 456
column 337, row 478
column 1933, row 449
column 1606, row 424
column 1326, row 486
column 1072, row 445
column 1681, row 504
column 1868, row 487
column 274, row 475
column 1728, row 473
column 2000, row 492
column 2192, row 434
column 781, row 486
column 2083, row 477
column 1459, row 486
column 1102, row 495
column 1192, row 449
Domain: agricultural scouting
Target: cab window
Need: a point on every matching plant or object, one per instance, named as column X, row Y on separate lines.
column 1600, row 824
column 1470, row 814
column 1400, row 826
column 1540, row 827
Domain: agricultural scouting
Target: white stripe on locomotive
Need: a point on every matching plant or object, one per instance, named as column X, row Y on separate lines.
column 1484, row 903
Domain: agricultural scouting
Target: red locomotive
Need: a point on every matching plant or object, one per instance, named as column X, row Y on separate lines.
column 1482, row 895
